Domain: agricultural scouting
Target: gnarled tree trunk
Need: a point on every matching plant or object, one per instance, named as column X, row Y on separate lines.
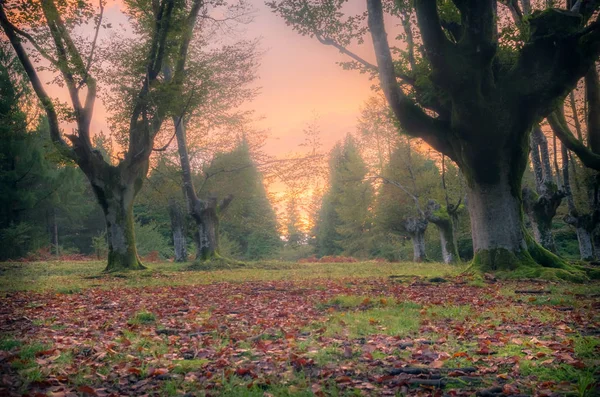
column 541, row 207
column 178, row 230
column 441, row 219
column 116, row 191
column 500, row 240
column 416, row 228
column 204, row 212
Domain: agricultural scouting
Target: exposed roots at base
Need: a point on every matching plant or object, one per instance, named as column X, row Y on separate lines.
column 535, row 262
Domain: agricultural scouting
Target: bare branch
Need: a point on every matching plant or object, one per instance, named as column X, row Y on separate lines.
column 91, row 56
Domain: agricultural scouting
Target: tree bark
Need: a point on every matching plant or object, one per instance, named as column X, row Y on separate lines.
column 541, row 207
column 116, row 190
column 500, row 240
column 443, row 221
column 204, row 212
column 54, row 232
column 208, row 232
column 416, row 228
column 178, row 230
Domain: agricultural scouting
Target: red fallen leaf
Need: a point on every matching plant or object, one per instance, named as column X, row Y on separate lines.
column 437, row 364
column 384, row 378
column 87, row 390
column 484, row 351
column 136, row 371
column 343, row 379
column 509, row 389
column 242, row 371
column 45, row 352
column 460, row 354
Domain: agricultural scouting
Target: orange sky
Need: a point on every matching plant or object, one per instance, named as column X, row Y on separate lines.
column 299, row 77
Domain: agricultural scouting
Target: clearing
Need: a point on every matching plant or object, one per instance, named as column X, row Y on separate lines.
column 286, row 329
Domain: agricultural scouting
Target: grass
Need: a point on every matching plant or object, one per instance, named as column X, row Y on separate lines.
column 142, row 317
column 396, row 319
column 73, row 277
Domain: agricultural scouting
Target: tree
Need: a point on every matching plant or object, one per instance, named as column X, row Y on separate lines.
column 223, row 83
column 472, row 95
column 541, row 205
column 250, row 220
column 51, row 33
column 345, row 218
column 409, row 181
column 380, row 139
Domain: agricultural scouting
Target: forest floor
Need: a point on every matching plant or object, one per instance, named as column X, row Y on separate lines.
column 277, row 329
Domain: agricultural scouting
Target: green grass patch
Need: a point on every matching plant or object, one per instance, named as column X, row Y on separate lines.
column 586, row 347
column 142, row 317
column 71, row 277
column 185, row 366
column 397, row 319
column 451, row 312
column 9, row 344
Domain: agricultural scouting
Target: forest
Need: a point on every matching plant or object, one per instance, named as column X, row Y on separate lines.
column 170, row 226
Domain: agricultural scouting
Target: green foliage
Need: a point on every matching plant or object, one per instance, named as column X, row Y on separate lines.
column 345, row 219
column 37, row 189
column 418, row 176
column 149, row 239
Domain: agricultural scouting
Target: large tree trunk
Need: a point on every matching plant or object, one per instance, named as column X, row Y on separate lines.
column 442, row 220
column 208, row 233
column 116, row 191
column 416, row 228
column 178, row 230
column 500, row 240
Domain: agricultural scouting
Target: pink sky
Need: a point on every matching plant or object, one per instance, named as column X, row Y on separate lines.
column 298, row 77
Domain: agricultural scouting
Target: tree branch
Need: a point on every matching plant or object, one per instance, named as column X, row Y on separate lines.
column 411, row 117
column 559, row 125
column 37, row 85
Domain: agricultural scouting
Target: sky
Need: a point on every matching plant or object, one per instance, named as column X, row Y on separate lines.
column 298, row 80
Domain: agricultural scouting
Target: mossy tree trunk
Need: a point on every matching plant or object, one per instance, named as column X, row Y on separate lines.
column 443, row 221
column 416, row 227
column 208, row 232
column 115, row 188
column 204, row 212
column 541, row 206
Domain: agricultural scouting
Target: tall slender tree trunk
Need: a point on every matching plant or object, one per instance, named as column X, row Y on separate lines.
column 541, row 207
column 54, row 232
column 178, row 230
column 582, row 223
column 204, row 212
column 416, row 228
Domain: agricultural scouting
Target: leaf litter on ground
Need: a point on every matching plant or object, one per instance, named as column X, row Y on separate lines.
column 346, row 336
